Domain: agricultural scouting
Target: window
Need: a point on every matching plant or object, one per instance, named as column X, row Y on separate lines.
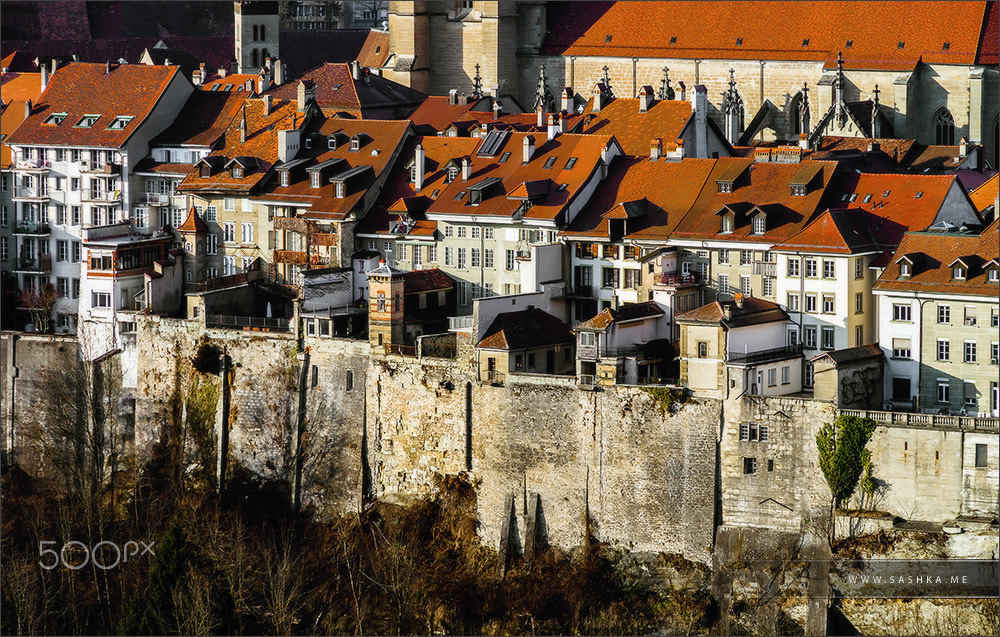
column 723, row 284
column 432, row 253
column 702, row 349
column 509, row 261
column 745, row 285
column 727, row 223
column 900, row 348
column 944, row 125
column 724, row 257
column 759, row 224
column 768, row 283
column 461, row 232
column 793, row 301
column 993, row 275
column 772, row 377
column 229, row 204
column 958, row 273
column 463, row 293
column 62, row 250
column 859, row 268
column 76, row 252
column 100, row 299
column 980, row 455
column 62, row 286
column 994, row 352
column 488, row 258
column 901, row 312
column 76, row 288
column 631, row 278
column 119, row 122
column 74, row 215
column 970, row 351
column 749, row 466
column 609, row 277
column 943, row 390
column 4, row 247
column 417, row 258
column 828, row 341
column 461, row 258
column 943, row 349
column 449, row 255
column 746, row 257
column 970, row 315
column 810, row 303
column 995, row 317
column 229, row 232
column 828, row 304
column 829, row 269
column 87, row 121
column 793, row 267
column 55, row 119
column 247, row 233
column 807, row 379
column 944, row 314
column 809, row 336
column 786, row 374
column 811, row 268
column 246, row 263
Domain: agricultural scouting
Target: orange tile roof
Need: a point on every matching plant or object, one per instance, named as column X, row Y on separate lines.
column 193, row 223
column 10, row 118
column 986, row 195
column 78, row 89
column 203, row 119
column 336, row 90
column 526, row 329
column 381, row 138
column 934, row 252
column 511, row 173
column 669, row 187
column 836, row 232
column 375, row 50
column 753, row 312
column 214, row 83
column 665, row 120
column 20, row 86
column 261, row 144
column 645, row 29
column 436, row 113
column 147, row 165
column 766, row 186
column 628, row 312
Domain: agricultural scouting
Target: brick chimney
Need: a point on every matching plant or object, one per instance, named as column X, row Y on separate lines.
column 528, row 146
column 803, row 141
column 655, row 149
column 466, row 169
column 419, row 165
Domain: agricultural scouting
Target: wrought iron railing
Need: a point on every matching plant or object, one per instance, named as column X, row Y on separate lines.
column 765, row 355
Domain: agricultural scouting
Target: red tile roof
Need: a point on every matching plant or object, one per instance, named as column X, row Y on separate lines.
column 80, row 89
column 436, row 113
column 526, row 329
column 20, row 86
column 418, row 281
column 628, row 312
column 371, row 96
column 10, row 119
column 375, row 51
column 836, row 232
column 382, row 138
column 934, row 252
column 645, row 29
column 668, row 187
column 193, row 223
column 665, row 120
column 753, row 312
column 215, row 84
column 986, row 195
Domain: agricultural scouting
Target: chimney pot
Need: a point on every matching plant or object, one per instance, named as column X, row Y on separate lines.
column 540, row 117
column 466, row 169
column 567, row 99
column 44, row 76
column 803, row 141
column 655, row 149
column 453, row 97
column 419, row 160
column 528, row 146
column 27, row 109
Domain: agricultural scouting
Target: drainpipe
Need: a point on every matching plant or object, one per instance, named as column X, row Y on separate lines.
column 572, row 72
column 635, row 61
column 697, row 64
column 762, row 63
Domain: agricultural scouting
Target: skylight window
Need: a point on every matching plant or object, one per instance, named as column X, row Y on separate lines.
column 900, row 45
column 119, row 122
column 549, row 162
column 867, row 198
column 215, row 87
column 87, row 121
column 739, row 41
column 563, row 187
column 504, row 158
column 55, row 118
column 849, row 44
column 459, row 196
column 853, row 196
column 946, row 46
column 570, row 163
column 805, row 42
column 885, row 194
column 607, row 38
column 919, row 195
column 673, row 40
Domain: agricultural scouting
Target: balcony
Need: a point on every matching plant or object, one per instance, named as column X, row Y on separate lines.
column 32, row 228
column 930, row 421
column 764, row 268
column 35, row 265
column 301, row 257
column 250, row 323
column 102, row 197
column 22, row 193
column 582, row 291
column 765, row 355
column 291, row 223
column 32, row 165
column 676, row 281
column 154, row 199
column 100, row 167
column 494, row 377
column 460, row 323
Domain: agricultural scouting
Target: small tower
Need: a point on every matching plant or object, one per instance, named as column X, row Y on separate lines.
column 385, row 306
column 256, row 35
column 193, row 232
column 732, row 108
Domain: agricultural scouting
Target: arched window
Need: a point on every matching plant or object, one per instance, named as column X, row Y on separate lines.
column 264, row 55
column 255, row 33
column 794, row 117
column 944, row 125
column 254, row 58
column 262, row 36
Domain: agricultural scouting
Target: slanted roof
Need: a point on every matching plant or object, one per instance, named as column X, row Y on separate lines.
column 627, row 313
column 130, row 90
column 851, row 354
column 620, row 117
column 10, row 118
column 20, row 86
column 370, row 96
column 203, row 119
column 753, row 312
column 193, row 223
column 646, row 29
column 375, row 51
column 986, row 195
column 419, row 281
column 836, row 232
column 526, row 329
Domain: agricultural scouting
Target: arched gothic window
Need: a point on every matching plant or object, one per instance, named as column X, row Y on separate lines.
column 254, row 58
column 262, row 36
column 944, row 125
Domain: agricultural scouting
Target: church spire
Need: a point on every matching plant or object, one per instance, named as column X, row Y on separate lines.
column 804, row 110
column 876, row 128
column 666, row 92
column 543, row 96
column 838, row 89
column 607, row 82
column 732, row 107
column 477, row 85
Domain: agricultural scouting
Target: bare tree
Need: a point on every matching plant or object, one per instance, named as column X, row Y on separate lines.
column 38, row 304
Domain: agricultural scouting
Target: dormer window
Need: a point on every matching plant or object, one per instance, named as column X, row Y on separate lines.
column 759, row 224
column 798, row 191
column 331, row 143
column 87, row 121
column 905, row 270
column 340, row 190
column 55, row 118
column 237, row 172
column 205, row 171
column 314, row 179
column 284, row 178
column 413, row 174
column 309, row 142
column 119, row 122
column 452, row 173
column 958, row 272
column 355, row 143
column 727, row 223
column 993, row 275
column 725, row 186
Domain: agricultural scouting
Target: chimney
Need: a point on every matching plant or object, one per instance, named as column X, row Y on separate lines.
column 738, row 298
column 45, row 76
column 567, row 99
column 562, row 123
column 604, row 155
column 355, row 70
column 727, row 310
column 55, row 65
column 166, row 61
column 540, row 116
column 306, row 91
column 655, row 149
column 963, row 148
column 288, row 144
column 419, row 162
column 248, row 86
column 645, row 99
column 107, row 67
column 553, row 126
column 874, row 147
column 264, row 80
column 598, row 98
column 699, row 106
column 222, row 71
column 27, row 109
column 267, row 104
column 803, row 141
column 497, row 109
column 466, row 169
column 202, row 74
column 243, row 125
column 453, row 97
column 234, row 67
column 528, row 146
column 279, row 73
column 684, row 91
